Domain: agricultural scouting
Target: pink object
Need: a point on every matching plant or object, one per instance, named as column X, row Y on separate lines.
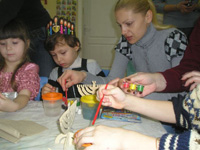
column 61, row 29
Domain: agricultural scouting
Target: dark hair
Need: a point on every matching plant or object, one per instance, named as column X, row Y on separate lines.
column 56, row 38
column 15, row 29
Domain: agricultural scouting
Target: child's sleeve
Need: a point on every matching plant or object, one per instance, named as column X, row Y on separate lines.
column 28, row 78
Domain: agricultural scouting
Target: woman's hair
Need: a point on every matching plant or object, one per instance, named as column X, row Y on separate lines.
column 15, row 29
column 57, row 38
column 141, row 6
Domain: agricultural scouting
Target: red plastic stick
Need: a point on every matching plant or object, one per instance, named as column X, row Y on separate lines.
column 66, row 102
column 97, row 112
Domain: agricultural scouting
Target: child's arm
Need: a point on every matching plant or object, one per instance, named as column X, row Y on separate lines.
column 18, row 103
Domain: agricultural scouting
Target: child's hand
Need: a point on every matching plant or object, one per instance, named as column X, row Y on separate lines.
column 115, row 82
column 3, row 102
column 113, row 96
column 2, row 96
column 48, row 88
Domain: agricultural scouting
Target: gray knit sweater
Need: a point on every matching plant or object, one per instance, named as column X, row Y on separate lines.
column 155, row 52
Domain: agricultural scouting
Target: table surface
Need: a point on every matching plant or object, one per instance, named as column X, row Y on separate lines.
column 46, row 140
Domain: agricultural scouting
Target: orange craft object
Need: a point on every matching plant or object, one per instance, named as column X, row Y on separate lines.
column 85, row 144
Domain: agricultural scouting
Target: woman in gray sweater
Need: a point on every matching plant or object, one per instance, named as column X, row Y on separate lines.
column 148, row 45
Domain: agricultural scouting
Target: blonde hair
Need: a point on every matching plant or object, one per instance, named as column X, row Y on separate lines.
column 141, row 6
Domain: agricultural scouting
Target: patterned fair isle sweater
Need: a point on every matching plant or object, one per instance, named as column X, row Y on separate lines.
column 187, row 112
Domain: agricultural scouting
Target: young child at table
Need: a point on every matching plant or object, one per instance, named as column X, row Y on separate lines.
column 17, row 74
column 182, row 111
column 64, row 46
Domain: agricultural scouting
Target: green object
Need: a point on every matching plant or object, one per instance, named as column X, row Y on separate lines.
column 68, row 31
column 78, row 103
column 140, row 88
column 130, row 69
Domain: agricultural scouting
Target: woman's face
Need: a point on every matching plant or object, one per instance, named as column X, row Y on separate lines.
column 133, row 25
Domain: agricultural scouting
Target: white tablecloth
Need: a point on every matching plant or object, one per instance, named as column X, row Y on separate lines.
column 46, row 140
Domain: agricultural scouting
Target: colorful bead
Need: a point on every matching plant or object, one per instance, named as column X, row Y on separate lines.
column 140, row 88
column 133, row 86
column 126, row 85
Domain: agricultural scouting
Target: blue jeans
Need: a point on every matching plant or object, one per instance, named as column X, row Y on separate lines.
column 38, row 53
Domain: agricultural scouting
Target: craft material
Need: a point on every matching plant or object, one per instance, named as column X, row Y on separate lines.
column 65, row 100
column 52, row 103
column 67, row 118
column 65, row 94
column 61, row 25
column 89, row 105
column 97, row 112
column 120, row 115
column 14, row 130
column 88, row 89
column 133, row 87
column 65, row 122
column 10, row 95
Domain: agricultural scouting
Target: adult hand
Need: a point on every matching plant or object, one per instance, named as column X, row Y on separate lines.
column 152, row 82
column 182, row 7
column 48, row 88
column 191, row 8
column 114, row 82
column 192, row 79
column 103, row 138
column 113, row 96
column 72, row 77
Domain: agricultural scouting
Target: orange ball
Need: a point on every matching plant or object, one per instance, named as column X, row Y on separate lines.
column 85, row 144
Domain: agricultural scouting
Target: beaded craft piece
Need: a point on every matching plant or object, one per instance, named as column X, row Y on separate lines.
column 133, row 87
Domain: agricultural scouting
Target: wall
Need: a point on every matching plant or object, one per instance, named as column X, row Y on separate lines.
column 50, row 7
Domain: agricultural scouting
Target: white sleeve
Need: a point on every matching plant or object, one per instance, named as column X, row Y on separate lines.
column 54, row 74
